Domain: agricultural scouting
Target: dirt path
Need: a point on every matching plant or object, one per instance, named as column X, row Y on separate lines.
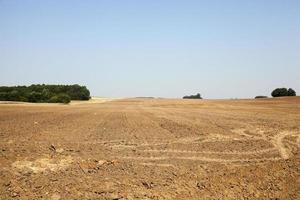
column 285, row 152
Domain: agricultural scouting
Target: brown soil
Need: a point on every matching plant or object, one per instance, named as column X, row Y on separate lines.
column 151, row 149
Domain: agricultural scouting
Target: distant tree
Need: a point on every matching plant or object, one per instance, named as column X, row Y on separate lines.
column 44, row 93
column 197, row 96
column 3, row 96
column 291, row 92
column 77, row 92
column 280, row 92
column 14, row 96
column 60, row 98
column 35, row 97
column 260, row 97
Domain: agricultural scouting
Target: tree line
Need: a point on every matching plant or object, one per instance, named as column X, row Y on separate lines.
column 42, row 93
column 197, row 96
column 283, row 92
column 280, row 92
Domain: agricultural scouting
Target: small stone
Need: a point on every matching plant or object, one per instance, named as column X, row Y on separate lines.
column 60, row 150
column 147, row 185
column 7, row 184
column 102, row 162
column 15, row 194
column 52, row 147
column 200, row 185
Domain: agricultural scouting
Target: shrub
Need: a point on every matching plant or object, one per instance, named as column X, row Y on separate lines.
column 60, row 98
column 282, row 92
column 197, row 96
column 260, row 97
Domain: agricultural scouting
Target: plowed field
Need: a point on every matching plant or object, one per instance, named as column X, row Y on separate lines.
column 151, row 149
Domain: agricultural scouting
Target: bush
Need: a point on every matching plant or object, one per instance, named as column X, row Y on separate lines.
column 60, row 98
column 283, row 92
column 197, row 96
column 260, row 97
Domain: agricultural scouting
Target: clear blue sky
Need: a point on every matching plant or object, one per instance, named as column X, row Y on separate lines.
column 167, row 48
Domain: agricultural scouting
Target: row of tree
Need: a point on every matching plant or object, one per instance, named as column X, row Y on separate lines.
column 197, row 96
column 280, row 92
column 44, row 93
column 283, row 92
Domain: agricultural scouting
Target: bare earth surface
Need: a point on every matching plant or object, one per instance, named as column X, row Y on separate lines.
column 151, row 149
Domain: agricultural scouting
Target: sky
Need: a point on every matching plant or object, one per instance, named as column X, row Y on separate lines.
column 159, row 48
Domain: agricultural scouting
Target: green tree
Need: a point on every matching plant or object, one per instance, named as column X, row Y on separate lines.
column 35, row 97
column 279, row 92
column 3, row 96
column 291, row 92
column 260, row 97
column 14, row 96
column 197, row 96
column 60, row 98
column 43, row 93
